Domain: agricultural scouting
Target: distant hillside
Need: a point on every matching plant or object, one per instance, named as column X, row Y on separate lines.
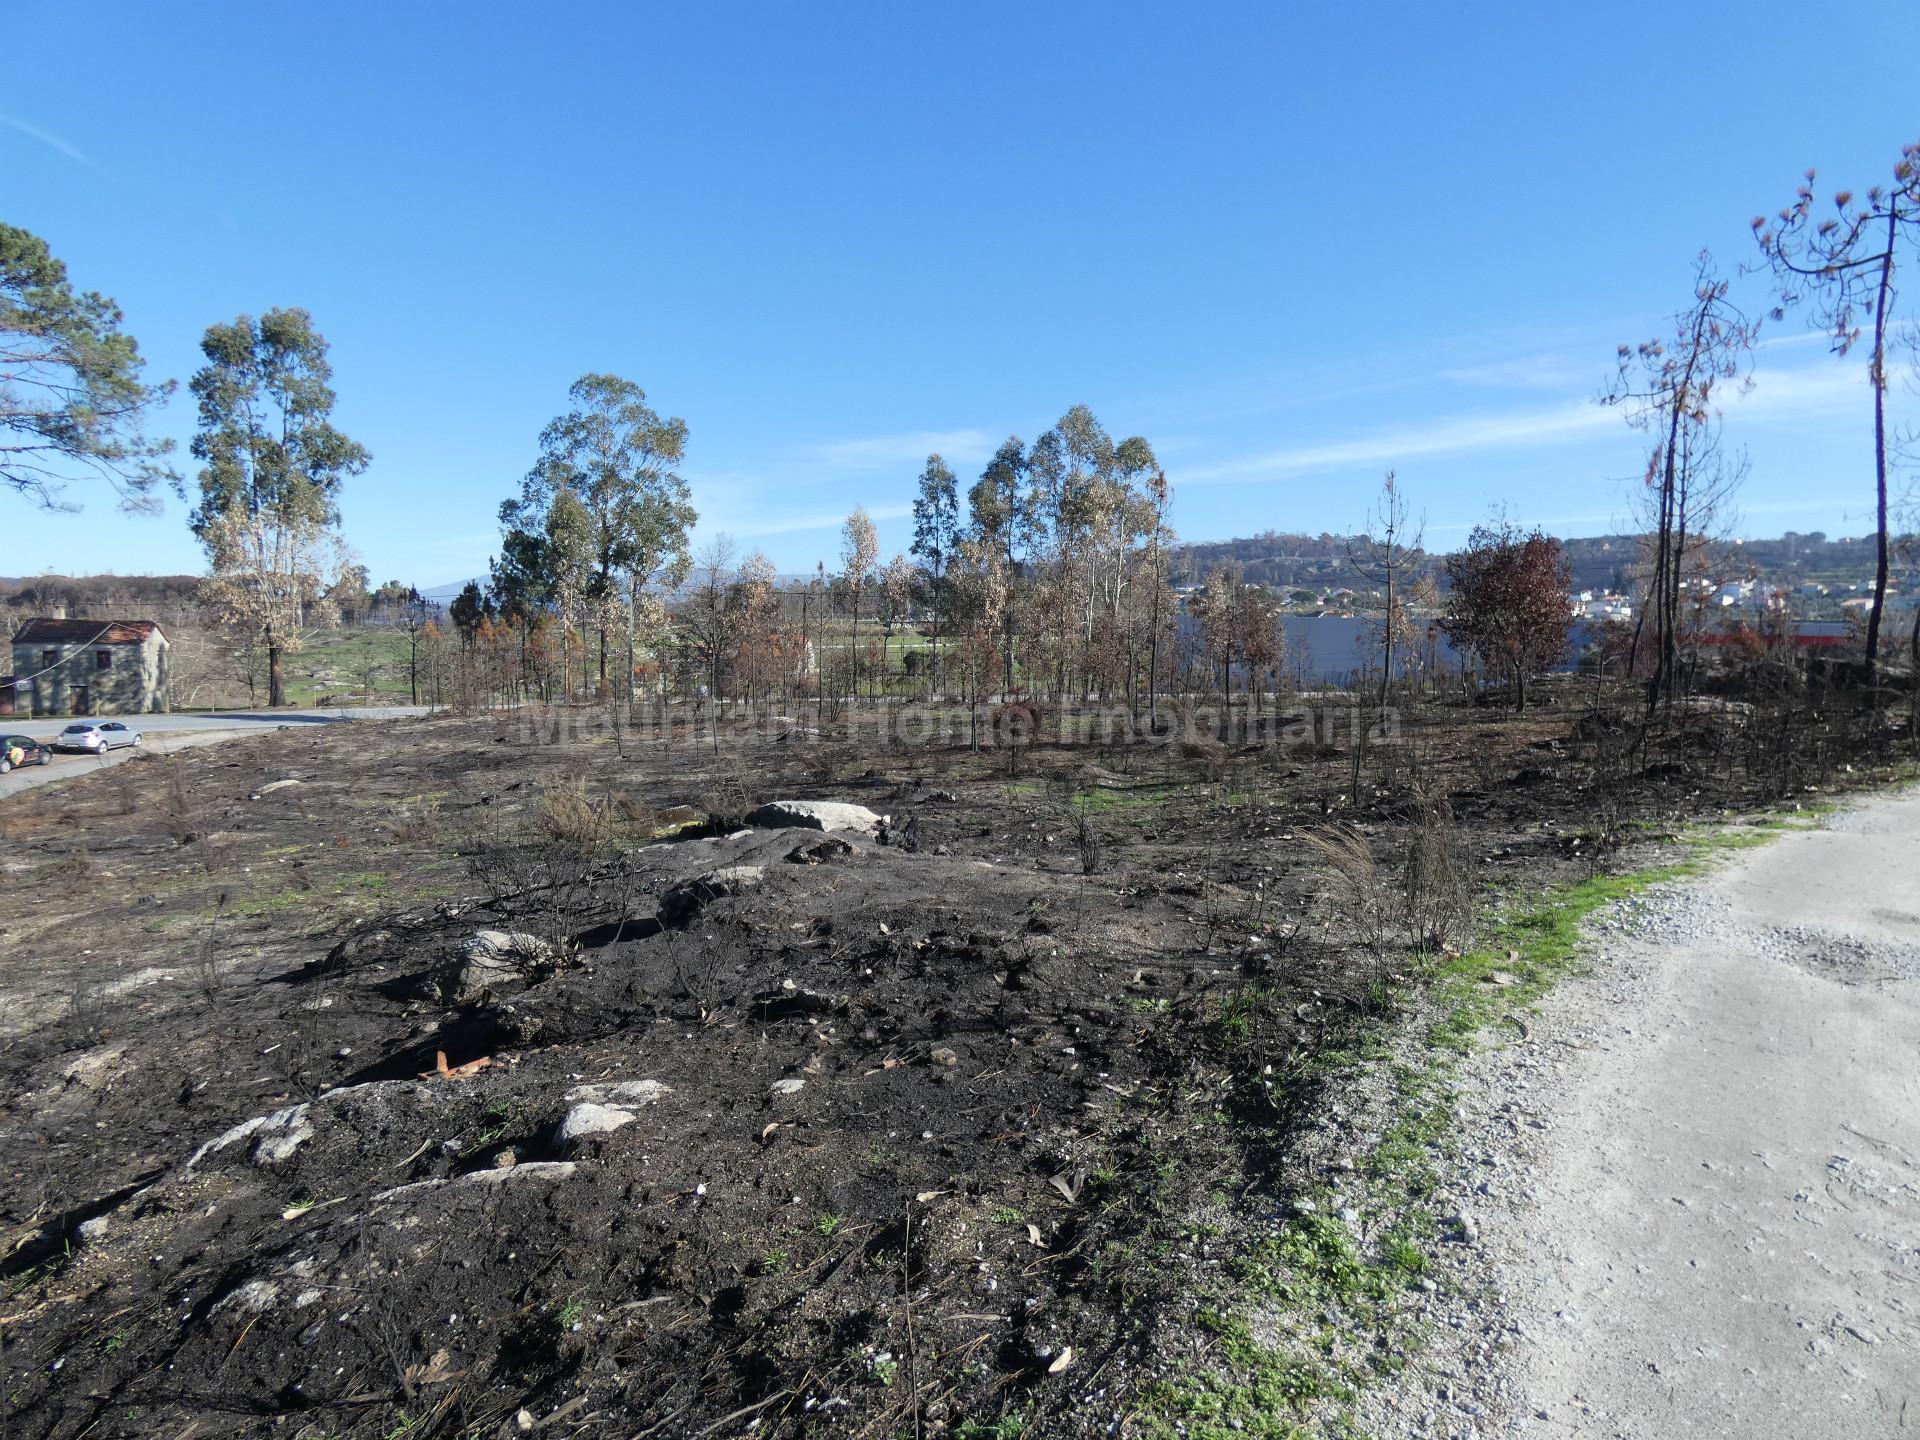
column 169, row 599
column 1598, row 562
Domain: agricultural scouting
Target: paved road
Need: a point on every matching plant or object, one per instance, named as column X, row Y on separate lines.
column 42, row 728
column 172, row 732
column 1725, row 1234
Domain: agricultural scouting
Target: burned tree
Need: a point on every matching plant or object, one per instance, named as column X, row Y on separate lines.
column 1844, row 265
column 1388, row 555
column 1669, row 388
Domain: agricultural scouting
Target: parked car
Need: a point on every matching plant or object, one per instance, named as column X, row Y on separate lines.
column 95, row 738
column 22, row 750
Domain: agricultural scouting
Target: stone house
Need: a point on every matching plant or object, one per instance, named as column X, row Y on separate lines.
column 90, row 667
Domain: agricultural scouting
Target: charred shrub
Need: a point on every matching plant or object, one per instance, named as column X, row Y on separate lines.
column 556, row 865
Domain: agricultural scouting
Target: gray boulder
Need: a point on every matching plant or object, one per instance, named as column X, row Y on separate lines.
column 494, row 962
column 816, row 815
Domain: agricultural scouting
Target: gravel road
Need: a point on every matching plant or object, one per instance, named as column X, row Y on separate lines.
column 1694, row 1190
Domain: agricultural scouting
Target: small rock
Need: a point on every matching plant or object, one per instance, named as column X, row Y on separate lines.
column 681, row 904
column 588, row 1118
column 943, row 1056
column 629, row 1094
column 826, row 849
column 256, row 1297
column 791, row 1086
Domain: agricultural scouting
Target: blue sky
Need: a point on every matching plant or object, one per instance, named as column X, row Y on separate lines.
column 1293, row 246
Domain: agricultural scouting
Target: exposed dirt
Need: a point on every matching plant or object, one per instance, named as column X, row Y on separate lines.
column 917, row 1137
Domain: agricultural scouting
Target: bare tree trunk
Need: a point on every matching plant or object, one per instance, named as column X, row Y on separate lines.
column 276, row 676
column 1153, row 656
column 1880, row 441
column 633, row 611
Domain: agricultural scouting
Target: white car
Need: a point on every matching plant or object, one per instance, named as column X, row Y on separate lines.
column 95, row 739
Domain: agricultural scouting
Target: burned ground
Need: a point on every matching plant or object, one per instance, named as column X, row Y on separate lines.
column 940, row 1130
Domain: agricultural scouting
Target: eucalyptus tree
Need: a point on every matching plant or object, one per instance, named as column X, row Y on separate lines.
column 1159, row 536
column 1069, row 473
column 859, row 554
column 709, row 612
column 980, row 589
column 936, row 531
column 576, row 586
column 1217, row 606
column 618, row 458
column 757, row 599
column 997, row 523
column 72, row 401
column 1844, row 264
column 897, row 582
column 1672, row 389
column 272, row 467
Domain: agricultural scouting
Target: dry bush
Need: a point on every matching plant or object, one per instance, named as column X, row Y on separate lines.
column 821, row 765
column 126, row 792
column 555, row 866
column 565, row 814
column 176, row 805
column 1436, row 896
column 86, row 1000
column 636, row 812
column 727, row 804
column 1358, row 893
column 1488, row 772
column 1087, row 843
column 410, row 827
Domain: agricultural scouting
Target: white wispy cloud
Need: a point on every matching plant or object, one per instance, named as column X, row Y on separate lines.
column 1803, row 392
column 1455, row 435
column 1559, row 370
column 795, row 524
column 49, row 139
column 1777, row 394
column 909, row 448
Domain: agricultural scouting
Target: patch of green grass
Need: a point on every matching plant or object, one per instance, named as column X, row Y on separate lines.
column 1260, row 1390
column 1106, row 799
column 349, row 661
column 828, row 1224
column 1007, row 1215
column 360, row 882
column 1007, row 1427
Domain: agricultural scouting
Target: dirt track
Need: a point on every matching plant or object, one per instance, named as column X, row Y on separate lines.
column 1721, row 1235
